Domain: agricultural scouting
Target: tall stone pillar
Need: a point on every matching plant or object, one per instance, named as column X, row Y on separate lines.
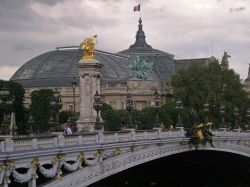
column 89, row 72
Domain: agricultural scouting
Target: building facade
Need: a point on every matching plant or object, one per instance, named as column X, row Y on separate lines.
column 138, row 70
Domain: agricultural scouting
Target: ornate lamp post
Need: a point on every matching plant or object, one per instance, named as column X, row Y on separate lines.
column 222, row 112
column 248, row 117
column 157, row 106
column 97, row 106
column 206, row 109
column 56, row 103
column 236, row 114
column 73, row 83
column 179, row 107
column 129, row 108
column 31, row 123
column 5, row 102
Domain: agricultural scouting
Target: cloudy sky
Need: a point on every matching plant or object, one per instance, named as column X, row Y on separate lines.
column 185, row 28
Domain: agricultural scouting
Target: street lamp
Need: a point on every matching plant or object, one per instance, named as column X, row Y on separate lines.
column 73, row 83
column 56, row 103
column 236, row 114
column 157, row 106
column 248, row 117
column 129, row 108
column 179, row 107
column 31, row 123
column 206, row 109
column 222, row 112
column 97, row 106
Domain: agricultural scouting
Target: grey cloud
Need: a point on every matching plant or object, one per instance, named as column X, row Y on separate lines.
column 238, row 9
column 17, row 15
column 49, row 2
column 24, row 34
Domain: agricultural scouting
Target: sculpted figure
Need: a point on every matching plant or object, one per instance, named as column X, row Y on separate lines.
column 224, row 61
column 88, row 46
column 200, row 134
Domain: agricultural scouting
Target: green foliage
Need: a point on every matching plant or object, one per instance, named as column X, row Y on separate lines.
column 64, row 116
column 17, row 96
column 145, row 119
column 40, row 109
column 112, row 120
column 212, row 84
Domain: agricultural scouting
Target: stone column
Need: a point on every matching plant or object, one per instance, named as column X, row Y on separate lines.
column 89, row 72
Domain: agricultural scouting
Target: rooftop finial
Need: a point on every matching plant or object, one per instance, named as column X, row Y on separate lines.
column 140, row 38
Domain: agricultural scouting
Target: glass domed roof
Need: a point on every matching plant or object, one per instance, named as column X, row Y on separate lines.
column 59, row 67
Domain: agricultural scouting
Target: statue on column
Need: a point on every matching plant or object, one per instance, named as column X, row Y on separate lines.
column 88, row 46
column 224, row 61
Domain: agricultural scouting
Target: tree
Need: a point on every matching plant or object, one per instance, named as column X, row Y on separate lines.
column 41, row 109
column 17, row 97
column 209, row 83
column 112, row 120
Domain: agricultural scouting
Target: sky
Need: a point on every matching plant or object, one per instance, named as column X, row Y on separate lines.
column 184, row 28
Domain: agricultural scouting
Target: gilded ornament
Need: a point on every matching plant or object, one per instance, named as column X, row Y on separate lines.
column 88, row 46
column 117, row 152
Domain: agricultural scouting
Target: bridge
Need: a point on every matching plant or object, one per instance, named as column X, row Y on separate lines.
column 83, row 159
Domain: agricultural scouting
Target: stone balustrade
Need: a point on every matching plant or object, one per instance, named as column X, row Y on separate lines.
column 9, row 144
column 71, row 152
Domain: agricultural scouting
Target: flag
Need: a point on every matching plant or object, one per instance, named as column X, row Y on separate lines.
column 137, row 8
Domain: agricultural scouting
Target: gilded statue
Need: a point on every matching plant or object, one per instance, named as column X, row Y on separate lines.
column 88, row 46
column 201, row 134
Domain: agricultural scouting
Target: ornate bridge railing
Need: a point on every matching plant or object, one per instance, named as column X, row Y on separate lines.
column 29, row 143
column 71, row 152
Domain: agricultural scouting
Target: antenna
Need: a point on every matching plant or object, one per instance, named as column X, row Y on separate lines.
column 212, row 48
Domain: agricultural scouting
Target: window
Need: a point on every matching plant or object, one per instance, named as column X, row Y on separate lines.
column 70, row 107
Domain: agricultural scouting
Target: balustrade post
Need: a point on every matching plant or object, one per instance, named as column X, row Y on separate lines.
column 60, row 140
column 158, row 132
column 9, row 145
column 145, row 135
column 132, row 134
column 238, row 131
column 2, row 146
column 181, row 131
column 80, row 140
column 100, row 136
column 34, row 143
column 55, row 141
column 116, row 137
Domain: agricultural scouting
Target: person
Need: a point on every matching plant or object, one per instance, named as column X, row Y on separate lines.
column 67, row 129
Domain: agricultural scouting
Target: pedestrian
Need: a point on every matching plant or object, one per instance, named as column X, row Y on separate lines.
column 67, row 129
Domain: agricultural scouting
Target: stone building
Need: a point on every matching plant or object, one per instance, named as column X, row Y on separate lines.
column 119, row 76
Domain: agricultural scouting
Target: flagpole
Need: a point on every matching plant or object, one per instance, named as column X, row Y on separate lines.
column 140, row 8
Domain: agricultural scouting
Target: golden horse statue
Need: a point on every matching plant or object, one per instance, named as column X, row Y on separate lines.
column 88, row 46
column 201, row 134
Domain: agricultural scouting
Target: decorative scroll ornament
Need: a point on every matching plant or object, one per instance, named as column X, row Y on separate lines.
column 30, row 174
column 9, row 167
column 139, row 66
column 73, row 167
column 60, row 160
column 97, row 157
column 88, row 46
column 49, row 173
column 2, row 171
